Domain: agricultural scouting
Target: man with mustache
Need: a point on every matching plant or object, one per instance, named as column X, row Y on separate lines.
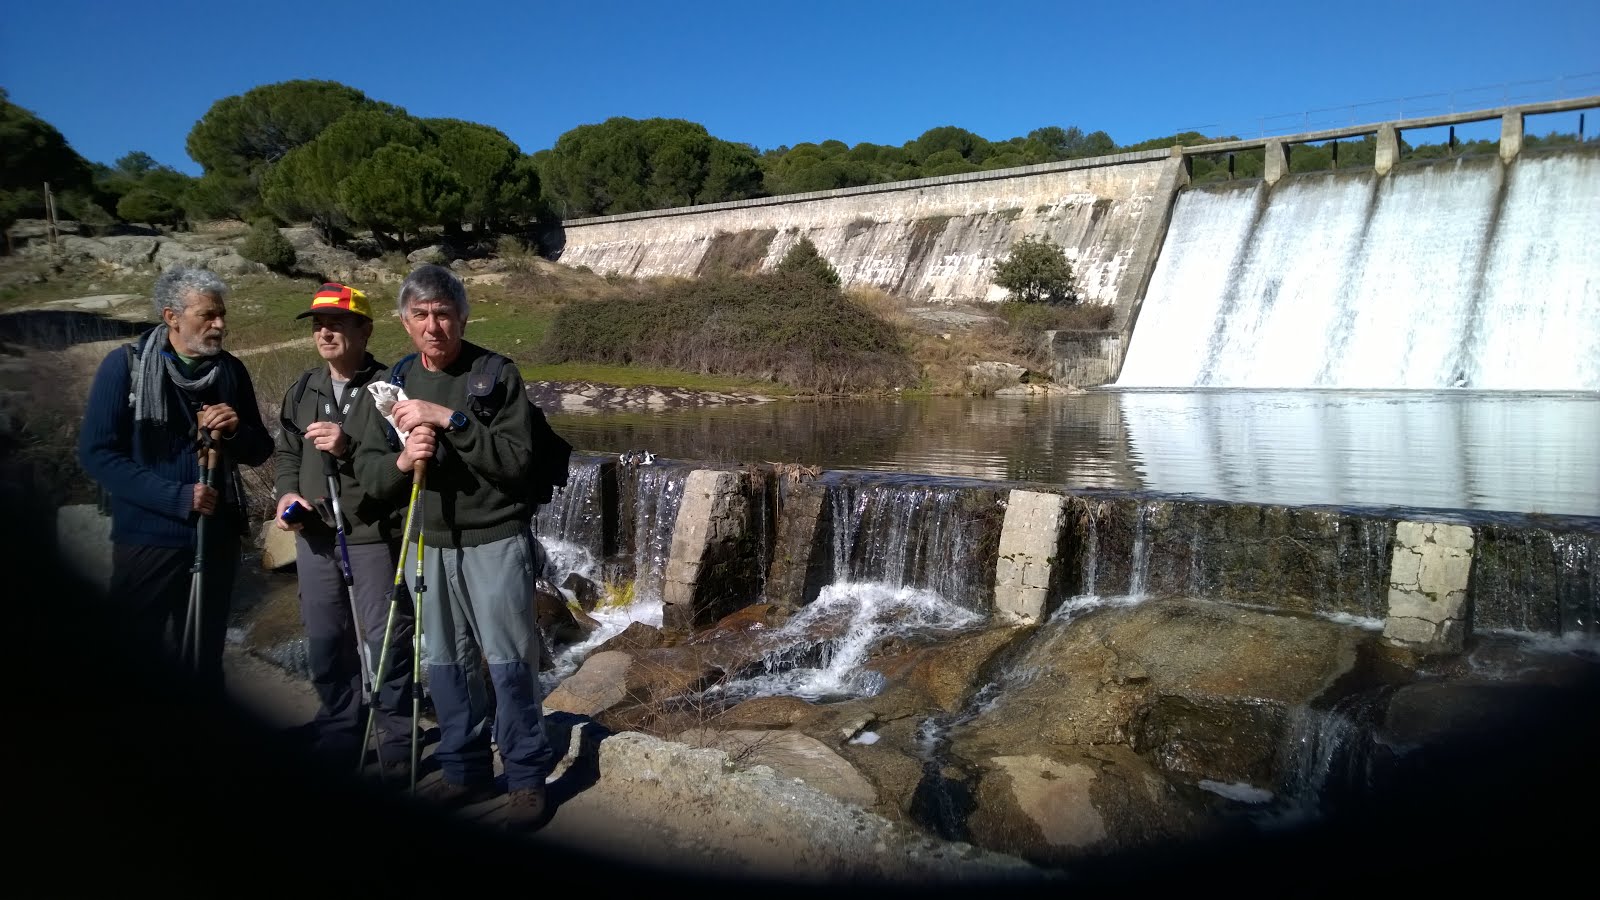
column 311, row 444
column 153, row 405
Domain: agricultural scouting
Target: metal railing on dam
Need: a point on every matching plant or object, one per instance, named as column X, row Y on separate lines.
column 1387, row 132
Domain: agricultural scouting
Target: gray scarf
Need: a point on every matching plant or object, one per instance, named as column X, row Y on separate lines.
column 148, row 395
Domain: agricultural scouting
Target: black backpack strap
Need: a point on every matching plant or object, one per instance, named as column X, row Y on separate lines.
column 300, row 386
column 484, row 386
column 286, row 416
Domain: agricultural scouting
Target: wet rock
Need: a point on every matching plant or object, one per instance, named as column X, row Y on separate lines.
column 556, row 619
column 667, row 672
column 1053, row 808
column 1091, row 681
column 790, row 754
column 740, row 638
column 948, row 673
column 1190, row 690
column 637, row 636
column 272, row 625
column 770, row 712
column 583, row 590
column 1230, row 741
column 890, row 762
column 598, row 685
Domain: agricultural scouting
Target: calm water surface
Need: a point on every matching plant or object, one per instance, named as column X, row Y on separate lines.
column 1456, row 450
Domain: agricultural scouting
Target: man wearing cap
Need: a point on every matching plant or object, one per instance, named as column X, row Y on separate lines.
column 311, row 444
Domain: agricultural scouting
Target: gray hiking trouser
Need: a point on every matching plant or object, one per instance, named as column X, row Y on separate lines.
column 478, row 607
column 331, row 646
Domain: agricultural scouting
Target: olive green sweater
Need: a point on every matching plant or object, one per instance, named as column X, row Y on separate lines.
column 476, row 490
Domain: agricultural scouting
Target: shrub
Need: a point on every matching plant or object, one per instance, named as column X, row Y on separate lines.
column 266, row 245
column 1037, row 317
column 1037, row 271
column 780, row 326
column 803, row 259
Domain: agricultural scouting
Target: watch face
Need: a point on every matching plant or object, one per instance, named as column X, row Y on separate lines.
column 458, row 420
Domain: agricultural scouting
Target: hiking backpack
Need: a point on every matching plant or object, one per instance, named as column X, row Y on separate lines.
column 551, row 456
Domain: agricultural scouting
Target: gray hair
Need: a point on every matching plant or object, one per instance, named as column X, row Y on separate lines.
column 430, row 284
column 178, row 284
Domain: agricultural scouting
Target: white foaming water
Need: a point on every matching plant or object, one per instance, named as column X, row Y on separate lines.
column 1071, row 609
column 837, row 631
column 1542, row 303
column 563, row 558
column 613, row 621
column 1466, row 273
column 1237, row 790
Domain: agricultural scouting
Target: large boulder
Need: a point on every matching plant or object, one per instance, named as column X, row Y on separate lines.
column 790, row 754
column 1136, row 706
column 1055, row 808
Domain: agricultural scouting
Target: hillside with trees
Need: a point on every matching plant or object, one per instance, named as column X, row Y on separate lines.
column 325, row 154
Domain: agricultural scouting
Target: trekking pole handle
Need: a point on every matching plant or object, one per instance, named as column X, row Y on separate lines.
column 211, row 451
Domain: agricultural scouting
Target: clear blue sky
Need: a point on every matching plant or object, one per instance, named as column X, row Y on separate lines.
column 119, row 76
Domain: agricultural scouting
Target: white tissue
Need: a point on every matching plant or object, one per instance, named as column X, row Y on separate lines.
column 384, row 397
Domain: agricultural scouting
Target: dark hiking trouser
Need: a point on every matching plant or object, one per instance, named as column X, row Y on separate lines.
column 331, row 646
column 150, row 586
column 478, row 606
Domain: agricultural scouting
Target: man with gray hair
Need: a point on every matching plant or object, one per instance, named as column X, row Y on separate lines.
column 467, row 415
column 153, row 406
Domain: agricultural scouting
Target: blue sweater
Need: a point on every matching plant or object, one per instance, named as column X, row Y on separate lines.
column 152, row 485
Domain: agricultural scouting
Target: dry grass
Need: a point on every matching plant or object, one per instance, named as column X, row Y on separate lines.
column 944, row 360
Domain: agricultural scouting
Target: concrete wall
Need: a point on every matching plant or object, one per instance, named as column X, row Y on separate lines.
column 1085, row 357
column 1428, row 585
column 931, row 240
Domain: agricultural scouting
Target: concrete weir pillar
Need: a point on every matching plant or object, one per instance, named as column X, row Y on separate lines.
column 1510, row 136
column 707, row 534
column 1030, row 541
column 1428, row 586
column 1387, row 153
column 800, row 558
column 1277, row 161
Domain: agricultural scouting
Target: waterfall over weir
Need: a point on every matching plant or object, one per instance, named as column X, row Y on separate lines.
column 1463, row 273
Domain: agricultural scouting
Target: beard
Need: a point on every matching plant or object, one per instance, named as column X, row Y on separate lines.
column 208, row 344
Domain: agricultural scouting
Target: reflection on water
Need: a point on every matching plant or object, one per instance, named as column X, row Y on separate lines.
column 1513, row 452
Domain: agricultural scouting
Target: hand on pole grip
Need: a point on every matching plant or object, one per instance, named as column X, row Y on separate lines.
column 205, row 499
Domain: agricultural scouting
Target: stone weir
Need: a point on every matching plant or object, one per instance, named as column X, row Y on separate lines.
column 707, row 541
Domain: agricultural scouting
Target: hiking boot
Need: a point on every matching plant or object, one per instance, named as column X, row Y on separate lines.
column 525, row 809
column 450, row 795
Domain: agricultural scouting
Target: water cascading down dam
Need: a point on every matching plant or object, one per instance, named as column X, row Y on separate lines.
column 1434, row 276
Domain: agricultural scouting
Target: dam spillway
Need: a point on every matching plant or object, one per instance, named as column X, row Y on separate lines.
column 1473, row 272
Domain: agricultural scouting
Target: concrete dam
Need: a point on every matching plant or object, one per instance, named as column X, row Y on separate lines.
column 1465, row 272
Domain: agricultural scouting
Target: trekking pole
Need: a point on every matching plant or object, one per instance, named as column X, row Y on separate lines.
column 394, row 602
column 330, row 470
column 190, row 645
column 420, row 474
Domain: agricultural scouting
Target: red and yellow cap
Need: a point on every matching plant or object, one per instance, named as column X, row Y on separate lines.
column 333, row 297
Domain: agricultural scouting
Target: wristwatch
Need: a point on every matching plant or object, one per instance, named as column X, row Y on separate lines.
column 458, row 421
